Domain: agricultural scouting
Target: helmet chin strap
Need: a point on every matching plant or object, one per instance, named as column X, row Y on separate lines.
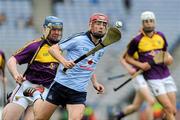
column 53, row 41
column 148, row 31
column 46, row 32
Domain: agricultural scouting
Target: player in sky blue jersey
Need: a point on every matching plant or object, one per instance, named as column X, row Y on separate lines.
column 69, row 90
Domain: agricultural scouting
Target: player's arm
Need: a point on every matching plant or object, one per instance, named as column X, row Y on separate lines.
column 132, row 48
column 22, row 56
column 126, row 65
column 168, row 59
column 12, row 67
column 142, row 65
column 56, row 52
column 99, row 87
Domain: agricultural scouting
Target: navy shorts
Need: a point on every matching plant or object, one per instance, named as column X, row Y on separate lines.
column 62, row 95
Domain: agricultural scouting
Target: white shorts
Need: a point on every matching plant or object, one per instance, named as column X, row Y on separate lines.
column 24, row 101
column 140, row 82
column 162, row 86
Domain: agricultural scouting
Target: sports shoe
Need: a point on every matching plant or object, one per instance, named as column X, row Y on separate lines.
column 118, row 116
column 30, row 90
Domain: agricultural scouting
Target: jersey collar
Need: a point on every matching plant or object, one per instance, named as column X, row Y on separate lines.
column 89, row 36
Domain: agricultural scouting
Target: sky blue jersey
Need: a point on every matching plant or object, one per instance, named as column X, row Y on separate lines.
column 78, row 77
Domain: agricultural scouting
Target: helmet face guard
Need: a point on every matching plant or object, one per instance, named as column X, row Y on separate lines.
column 51, row 22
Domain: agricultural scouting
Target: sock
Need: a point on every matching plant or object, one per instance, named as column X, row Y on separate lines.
column 120, row 115
column 37, row 95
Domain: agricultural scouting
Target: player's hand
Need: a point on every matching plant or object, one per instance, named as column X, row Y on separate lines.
column 145, row 66
column 132, row 71
column 99, row 87
column 168, row 59
column 19, row 78
column 68, row 64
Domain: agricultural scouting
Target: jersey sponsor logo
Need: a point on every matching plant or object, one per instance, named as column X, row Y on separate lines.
column 154, row 52
column 100, row 54
column 50, row 97
column 52, row 66
column 88, row 65
column 159, row 42
column 157, row 91
column 85, row 49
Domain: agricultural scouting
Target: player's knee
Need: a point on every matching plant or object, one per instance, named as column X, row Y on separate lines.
column 4, row 114
column 76, row 117
column 174, row 111
column 152, row 102
column 38, row 117
column 8, row 115
column 169, row 109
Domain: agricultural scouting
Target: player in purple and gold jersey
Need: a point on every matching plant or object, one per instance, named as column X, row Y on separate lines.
column 40, row 71
column 142, row 93
column 2, row 62
column 2, row 65
column 2, row 76
column 148, row 43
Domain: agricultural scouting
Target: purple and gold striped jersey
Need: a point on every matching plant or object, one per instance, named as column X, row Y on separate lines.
column 2, row 60
column 147, row 47
column 43, row 68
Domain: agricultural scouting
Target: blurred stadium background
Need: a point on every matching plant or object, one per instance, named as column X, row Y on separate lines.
column 21, row 21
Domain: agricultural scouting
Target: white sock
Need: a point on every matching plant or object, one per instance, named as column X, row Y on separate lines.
column 37, row 95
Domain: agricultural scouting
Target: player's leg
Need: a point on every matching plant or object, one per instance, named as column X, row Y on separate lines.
column 142, row 93
column 29, row 114
column 16, row 107
column 75, row 103
column 172, row 98
column 130, row 108
column 43, row 109
column 147, row 96
column 40, row 105
column 12, row 111
column 75, row 111
column 171, row 91
column 143, row 88
column 138, row 100
column 159, row 91
column 168, row 107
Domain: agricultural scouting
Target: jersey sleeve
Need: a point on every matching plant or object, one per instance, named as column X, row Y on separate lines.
column 2, row 60
column 165, row 41
column 25, row 54
column 68, row 45
column 132, row 47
